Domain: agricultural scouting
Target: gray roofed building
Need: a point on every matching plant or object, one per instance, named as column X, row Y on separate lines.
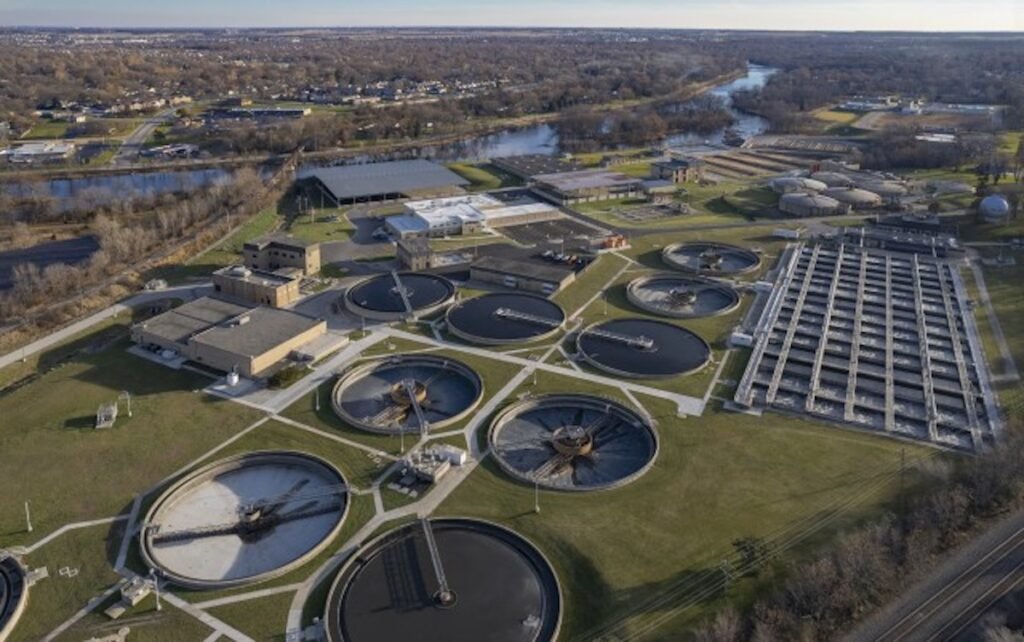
column 383, row 181
column 256, row 331
column 566, row 188
column 533, row 276
column 181, row 323
column 227, row 336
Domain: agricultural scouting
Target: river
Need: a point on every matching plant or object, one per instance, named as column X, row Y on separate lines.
column 536, row 139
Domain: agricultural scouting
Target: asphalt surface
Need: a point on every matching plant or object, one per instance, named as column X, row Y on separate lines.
column 950, row 603
column 71, row 252
column 132, row 145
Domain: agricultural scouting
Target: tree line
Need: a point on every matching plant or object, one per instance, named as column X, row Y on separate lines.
column 823, row 597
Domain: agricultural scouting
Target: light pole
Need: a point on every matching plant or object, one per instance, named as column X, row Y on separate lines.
column 536, row 495
column 156, row 588
column 28, row 517
column 316, row 391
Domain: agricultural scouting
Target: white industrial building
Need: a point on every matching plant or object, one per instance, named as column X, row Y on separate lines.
column 466, row 215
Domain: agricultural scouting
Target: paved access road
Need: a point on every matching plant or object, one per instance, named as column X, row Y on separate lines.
column 132, row 145
column 949, row 603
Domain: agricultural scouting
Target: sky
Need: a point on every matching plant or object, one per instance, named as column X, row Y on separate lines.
column 886, row 15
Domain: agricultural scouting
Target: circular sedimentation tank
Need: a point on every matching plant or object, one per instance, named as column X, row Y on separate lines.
column 716, row 259
column 573, row 442
column 505, row 318
column 244, row 519
column 399, row 295
column 642, row 348
column 443, row 580
column 681, row 297
column 389, row 396
column 13, row 593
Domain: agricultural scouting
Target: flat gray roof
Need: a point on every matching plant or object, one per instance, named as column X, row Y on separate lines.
column 395, row 177
column 259, row 277
column 523, row 269
column 587, row 179
column 265, row 329
column 182, row 322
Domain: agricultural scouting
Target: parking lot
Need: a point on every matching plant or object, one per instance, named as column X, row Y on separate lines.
column 556, row 232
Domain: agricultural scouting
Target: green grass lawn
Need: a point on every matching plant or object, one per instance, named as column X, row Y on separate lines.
column 264, row 620
column 57, row 598
column 589, row 283
column 46, row 129
column 54, row 457
column 321, row 228
column 481, row 177
column 717, row 478
column 146, row 623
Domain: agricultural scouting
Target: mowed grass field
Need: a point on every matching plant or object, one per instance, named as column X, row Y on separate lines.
column 717, row 478
column 54, row 458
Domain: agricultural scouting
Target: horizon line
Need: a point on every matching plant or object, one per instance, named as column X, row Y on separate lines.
column 506, row 27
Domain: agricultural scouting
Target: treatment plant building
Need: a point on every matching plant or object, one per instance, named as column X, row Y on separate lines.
column 230, row 337
column 386, row 181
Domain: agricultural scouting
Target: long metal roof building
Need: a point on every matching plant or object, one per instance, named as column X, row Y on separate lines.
column 376, row 181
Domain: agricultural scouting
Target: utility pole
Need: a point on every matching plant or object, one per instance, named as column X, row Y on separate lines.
column 903, row 498
column 28, row 517
column 536, row 495
column 156, row 588
column 316, row 392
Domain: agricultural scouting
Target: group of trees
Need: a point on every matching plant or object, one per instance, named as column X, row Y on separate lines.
column 535, row 72
column 125, row 241
column 821, row 598
column 588, row 129
column 820, row 69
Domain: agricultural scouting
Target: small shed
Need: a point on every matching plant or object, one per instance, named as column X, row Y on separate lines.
column 106, row 415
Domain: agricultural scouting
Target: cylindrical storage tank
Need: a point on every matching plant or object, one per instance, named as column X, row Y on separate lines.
column 791, row 184
column 858, row 199
column 994, row 208
column 888, row 190
column 833, row 179
column 808, row 205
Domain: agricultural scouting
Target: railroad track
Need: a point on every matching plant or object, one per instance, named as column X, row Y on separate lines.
column 961, row 601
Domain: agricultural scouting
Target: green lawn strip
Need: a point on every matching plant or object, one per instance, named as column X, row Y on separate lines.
column 55, row 599
column 51, row 421
column 479, row 176
column 146, row 623
column 326, row 225
column 41, row 362
column 264, row 619
column 717, row 478
column 589, row 283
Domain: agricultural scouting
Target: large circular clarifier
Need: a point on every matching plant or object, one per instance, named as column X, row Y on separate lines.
column 244, row 519
column 399, row 295
column 573, row 442
column 682, row 297
column 710, row 258
column 391, row 396
column 445, row 580
column 13, row 593
column 502, row 319
column 642, row 348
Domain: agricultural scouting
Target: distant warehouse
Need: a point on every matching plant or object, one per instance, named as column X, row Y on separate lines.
column 386, row 181
column 567, row 188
